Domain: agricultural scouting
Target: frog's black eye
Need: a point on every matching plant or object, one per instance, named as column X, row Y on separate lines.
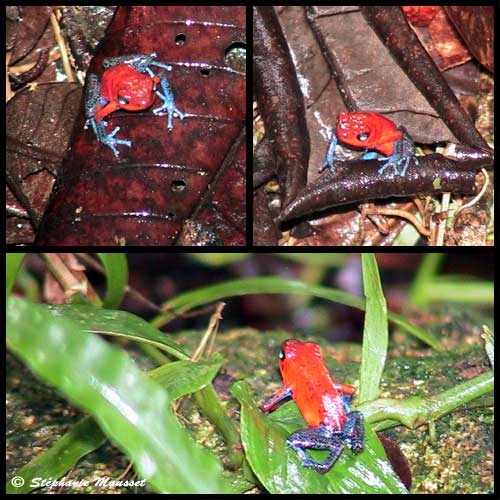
column 362, row 137
column 282, row 354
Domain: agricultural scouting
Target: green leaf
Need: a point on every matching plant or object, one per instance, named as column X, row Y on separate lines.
column 375, row 332
column 328, row 260
column 12, row 264
column 116, row 276
column 179, row 379
column 185, row 377
column 271, row 284
column 217, row 259
column 132, row 410
column 280, row 470
column 94, row 319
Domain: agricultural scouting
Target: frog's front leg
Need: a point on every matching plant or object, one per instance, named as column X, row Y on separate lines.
column 404, row 152
column 318, row 438
column 92, row 101
column 330, row 155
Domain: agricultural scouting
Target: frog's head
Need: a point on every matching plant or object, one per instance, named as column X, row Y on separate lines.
column 295, row 355
column 354, row 129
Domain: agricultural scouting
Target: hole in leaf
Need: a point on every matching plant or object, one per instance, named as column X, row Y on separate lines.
column 180, row 39
column 235, row 56
column 178, row 186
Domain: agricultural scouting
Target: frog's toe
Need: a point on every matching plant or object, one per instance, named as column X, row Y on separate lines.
column 111, row 141
column 384, row 167
column 178, row 112
column 328, row 165
column 407, row 162
column 110, row 138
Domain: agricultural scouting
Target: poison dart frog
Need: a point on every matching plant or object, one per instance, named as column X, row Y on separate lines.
column 372, row 131
column 324, row 404
column 128, row 83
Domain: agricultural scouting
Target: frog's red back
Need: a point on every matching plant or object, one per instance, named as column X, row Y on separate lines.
column 305, row 373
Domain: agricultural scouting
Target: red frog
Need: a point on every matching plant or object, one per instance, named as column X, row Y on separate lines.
column 128, row 83
column 372, row 131
column 324, row 404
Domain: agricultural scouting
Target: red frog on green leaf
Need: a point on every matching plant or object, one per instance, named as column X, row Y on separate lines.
column 324, row 404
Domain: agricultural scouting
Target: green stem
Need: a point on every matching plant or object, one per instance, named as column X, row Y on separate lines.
column 415, row 411
column 210, row 405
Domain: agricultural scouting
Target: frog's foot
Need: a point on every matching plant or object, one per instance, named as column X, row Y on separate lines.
column 330, row 166
column 171, row 109
column 317, row 439
column 330, row 156
column 389, row 163
column 404, row 152
column 107, row 139
column 167, row 97
column 396, row 163
column 110, row 141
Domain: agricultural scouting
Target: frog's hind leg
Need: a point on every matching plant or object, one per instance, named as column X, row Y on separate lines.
column 108, row 139
column 92, row 99
column 92, row 95
column 354, row 433
column 404, row 153
column 316, row 439
column 167, row 96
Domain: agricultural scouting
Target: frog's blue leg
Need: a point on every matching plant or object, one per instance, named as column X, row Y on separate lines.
column 276, row 399
column 92, row 99
column 330, row 155
column 161, row 65
column 318, row 438
column 108, row 139
column 137, row 61
column 354, row 432
column 370, row 155
column 346, row 399
column 166, row 96
column 404, row 152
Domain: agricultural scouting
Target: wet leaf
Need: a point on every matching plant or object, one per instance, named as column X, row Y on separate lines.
column 166, row 177
column 131, row 409
column 280, row 470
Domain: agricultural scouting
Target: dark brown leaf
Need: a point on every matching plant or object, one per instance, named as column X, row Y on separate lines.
column 39, row 125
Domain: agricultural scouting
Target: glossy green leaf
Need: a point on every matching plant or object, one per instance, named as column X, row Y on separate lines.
column 178, row 378
column 280, row 470
column 375, row 332
column 272, row 284
column 94, row 319
column 132, row 410
column 185, row 377
column 116, row 278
